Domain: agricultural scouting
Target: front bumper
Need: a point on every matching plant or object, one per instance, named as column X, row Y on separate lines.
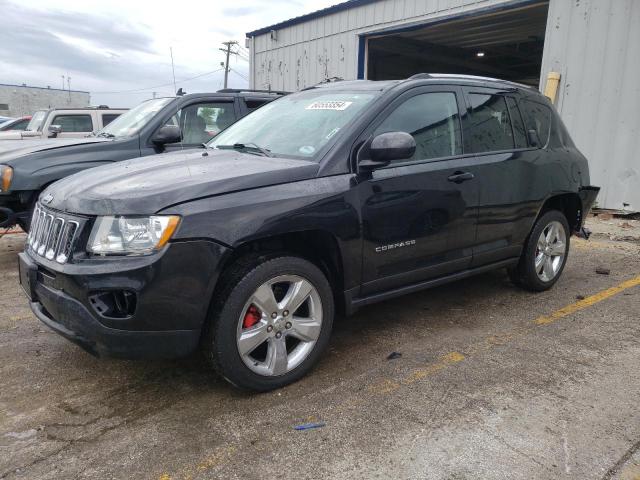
column 172, row 289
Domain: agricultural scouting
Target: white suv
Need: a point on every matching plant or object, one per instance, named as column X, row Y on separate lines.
column 65, row 123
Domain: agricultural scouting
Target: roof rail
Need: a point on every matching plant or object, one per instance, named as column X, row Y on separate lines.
column 247, row 90
column 419, row 75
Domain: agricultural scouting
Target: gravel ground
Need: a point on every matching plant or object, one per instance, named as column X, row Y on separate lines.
column 493, row 383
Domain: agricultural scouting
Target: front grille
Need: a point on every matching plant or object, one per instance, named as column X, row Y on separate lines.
column 51, row 235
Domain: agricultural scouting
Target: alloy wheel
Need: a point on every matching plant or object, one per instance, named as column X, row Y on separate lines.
column 550, row 251
column 279, row 325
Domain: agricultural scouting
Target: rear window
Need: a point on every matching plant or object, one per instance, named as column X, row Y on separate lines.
column 537, row 117
column 489, row 125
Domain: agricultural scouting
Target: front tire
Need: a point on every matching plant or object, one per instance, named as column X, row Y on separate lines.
column 269, row 323
column 544, row 255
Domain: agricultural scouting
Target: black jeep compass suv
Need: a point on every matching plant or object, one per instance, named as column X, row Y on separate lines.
column 325, row 200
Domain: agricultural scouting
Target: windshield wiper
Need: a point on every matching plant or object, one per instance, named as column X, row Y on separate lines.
column 247, row 147
column 106, row 135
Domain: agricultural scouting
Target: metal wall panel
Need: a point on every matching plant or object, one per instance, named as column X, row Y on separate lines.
column 595, row 46
column 327, row 46
column 592, row 43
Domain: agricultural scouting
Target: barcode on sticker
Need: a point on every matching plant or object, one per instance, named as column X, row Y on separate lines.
column 335, row 105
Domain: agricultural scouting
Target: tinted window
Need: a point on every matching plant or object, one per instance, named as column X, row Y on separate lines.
column 520, row 135
column 489, row 126
column 537, row 117
column 74, row 123
column 107, row 118
column 252, row 104
column 433, row 120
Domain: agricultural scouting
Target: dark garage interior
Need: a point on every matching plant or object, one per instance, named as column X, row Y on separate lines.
column 506, row 44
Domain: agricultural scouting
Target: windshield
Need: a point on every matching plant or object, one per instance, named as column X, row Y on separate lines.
column 37, row 120
column 131, row 122
column 298, row 125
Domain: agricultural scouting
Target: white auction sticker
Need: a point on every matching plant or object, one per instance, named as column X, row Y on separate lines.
column 330, row 105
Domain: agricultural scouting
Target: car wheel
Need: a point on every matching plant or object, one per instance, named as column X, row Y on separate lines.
column 25, row 223
column 545, row 253
column 269, row 323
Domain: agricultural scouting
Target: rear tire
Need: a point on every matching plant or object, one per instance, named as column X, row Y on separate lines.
column 544, row 255
column 253, row 307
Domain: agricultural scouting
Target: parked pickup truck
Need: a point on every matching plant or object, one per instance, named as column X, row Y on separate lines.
column 65, row 123
column 325, row 200
column 159, row 125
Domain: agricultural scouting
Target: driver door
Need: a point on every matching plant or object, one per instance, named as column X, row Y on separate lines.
column 419, row 215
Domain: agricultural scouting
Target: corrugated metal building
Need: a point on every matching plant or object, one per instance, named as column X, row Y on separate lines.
column 19, row 100
column 592, row 44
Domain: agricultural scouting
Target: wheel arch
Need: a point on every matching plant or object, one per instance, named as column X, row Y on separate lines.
column 569, row 203
column 320, row 247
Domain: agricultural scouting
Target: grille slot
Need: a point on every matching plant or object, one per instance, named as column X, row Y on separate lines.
column 51, row 236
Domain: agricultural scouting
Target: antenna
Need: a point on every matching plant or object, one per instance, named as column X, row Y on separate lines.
column 173, row 69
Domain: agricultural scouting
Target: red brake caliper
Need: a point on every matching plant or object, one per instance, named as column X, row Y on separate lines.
column 251, row 317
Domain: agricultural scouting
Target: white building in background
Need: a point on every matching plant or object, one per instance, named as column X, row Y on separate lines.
column 19, row 100
column 593, row 44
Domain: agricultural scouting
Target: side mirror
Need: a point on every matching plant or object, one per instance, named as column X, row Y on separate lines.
column 167, row 134
column 54, row 130
column 534, row 140
column 386, row 147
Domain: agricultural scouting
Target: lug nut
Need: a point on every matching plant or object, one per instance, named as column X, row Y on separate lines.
column 274, row 315
column 278, row 334
column 288, row 325
column 285, row 313
column 269, row 328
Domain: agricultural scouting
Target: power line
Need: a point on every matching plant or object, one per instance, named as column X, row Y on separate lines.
column 241, row 75
column 163, row 84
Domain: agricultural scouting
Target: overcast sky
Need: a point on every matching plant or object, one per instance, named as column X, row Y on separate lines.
column 123, row 45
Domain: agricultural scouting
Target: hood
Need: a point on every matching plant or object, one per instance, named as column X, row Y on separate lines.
column 12, row 149
column 15, row 135
column 147, row 185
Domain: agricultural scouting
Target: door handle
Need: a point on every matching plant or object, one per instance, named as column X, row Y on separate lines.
column 459, row 177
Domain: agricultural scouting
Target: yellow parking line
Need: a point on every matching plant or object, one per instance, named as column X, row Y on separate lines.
column 387, row 386
column 587, row 302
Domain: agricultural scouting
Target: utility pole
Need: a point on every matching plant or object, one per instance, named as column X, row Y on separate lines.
column 228, row 52
column 69, row 86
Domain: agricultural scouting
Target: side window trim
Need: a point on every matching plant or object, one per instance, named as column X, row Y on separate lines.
column 399, row 100
column 519, row 112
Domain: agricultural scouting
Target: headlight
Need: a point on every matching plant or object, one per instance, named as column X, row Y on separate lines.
column 131, row 235
column 6, row 174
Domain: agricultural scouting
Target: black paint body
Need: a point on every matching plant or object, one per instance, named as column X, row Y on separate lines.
column 379, row 233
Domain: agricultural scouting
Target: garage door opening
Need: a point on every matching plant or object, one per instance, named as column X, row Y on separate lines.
column 506, row 44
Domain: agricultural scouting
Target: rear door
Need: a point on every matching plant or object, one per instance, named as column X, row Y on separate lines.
column 419, row 215
column 494, row 132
